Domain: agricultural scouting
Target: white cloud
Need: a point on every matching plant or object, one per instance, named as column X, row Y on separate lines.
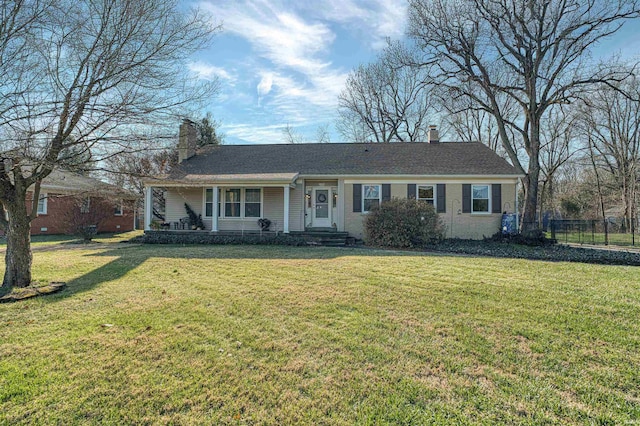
column 373, row 20
column 209, row 72
column 264, row 87
column 290, row 56
column 256, row 134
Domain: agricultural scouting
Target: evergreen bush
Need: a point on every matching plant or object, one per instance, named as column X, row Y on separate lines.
column 403, row 223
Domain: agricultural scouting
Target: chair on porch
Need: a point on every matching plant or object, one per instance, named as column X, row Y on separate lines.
column 183, row 223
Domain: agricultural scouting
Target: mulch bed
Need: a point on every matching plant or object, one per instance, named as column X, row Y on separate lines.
column 554, row 253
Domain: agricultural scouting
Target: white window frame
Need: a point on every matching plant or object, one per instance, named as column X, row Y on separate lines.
column 44, row 198
column 244, row 203
column 434, row 187
column 364, row 185
column 120, row 212
column 488, row 211
column 222, row 200
column 204, row 201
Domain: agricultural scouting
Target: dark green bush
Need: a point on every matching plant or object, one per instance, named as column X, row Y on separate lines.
column 403, row 222
column 163, row 237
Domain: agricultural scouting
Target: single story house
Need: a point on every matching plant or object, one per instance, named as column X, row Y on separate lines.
column 332, row 186
column 67, row 197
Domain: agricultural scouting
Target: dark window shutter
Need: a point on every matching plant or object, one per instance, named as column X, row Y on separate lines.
column 411, row 191
column 466, row 198
column 386, row 192
column 441, row 203
column 357, row 197
column 496, row 198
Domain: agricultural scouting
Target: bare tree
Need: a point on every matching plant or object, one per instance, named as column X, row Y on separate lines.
column 291, row 135
column 322, row 134
column 471, row 123
column 557, row 146
column 611, row 120
column 386, row 101
column 534, row 52
column 97, row 78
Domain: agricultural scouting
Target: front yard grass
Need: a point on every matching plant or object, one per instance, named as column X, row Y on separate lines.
column 281, row 335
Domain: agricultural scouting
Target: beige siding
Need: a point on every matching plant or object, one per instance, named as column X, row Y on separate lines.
column 463, row 225
column 177, row 197
column 398, row 190
column 296, row 208
column 273, row 208
column 353, row 222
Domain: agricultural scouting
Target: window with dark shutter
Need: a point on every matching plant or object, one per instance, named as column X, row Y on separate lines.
column 441, row 203
column 411, row 191
column 496, row 198
column 386, row 192
column 357, row 198
column 466, row 198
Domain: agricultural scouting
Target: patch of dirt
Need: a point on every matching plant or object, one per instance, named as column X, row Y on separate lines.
column 32, row 291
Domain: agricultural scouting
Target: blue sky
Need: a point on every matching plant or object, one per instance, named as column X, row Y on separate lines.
column 284, row 62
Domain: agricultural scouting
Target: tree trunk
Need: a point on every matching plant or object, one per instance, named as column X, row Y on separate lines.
column 531, row 194
column 18, row 257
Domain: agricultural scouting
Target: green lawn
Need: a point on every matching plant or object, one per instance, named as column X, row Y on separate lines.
column 278, row 335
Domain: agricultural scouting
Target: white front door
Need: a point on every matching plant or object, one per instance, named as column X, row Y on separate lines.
column 321, row 207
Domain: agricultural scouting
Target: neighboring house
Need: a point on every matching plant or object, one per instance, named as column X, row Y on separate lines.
column 332, row 186
column 66, row 197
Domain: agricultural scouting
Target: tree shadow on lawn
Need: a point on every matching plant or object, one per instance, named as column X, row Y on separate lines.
column 131, row 257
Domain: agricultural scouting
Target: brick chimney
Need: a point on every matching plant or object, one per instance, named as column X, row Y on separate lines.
column 432, row 135
column 187, row 141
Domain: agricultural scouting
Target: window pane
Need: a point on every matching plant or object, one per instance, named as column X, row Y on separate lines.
column 252, row 195
column 480, row 205
column 372, row 191
column 425, row 192
column 252, row 210
column 41, row 203
column 208, row 209
column 370, row 204
column 322, row 211
column 481, row 192
column 232, row 209
column 232, row 195
column 209, row 196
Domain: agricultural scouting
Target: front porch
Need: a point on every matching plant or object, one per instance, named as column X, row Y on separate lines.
column 288, row 205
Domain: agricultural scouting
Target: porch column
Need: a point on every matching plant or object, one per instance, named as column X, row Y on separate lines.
column 286, row 210
column 214, row 212
column 148, row 207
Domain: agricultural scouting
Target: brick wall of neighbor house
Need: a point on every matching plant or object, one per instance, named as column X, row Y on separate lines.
column 463, row 225
column 55, row 221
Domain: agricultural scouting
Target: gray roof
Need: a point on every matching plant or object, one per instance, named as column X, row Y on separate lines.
column 446, row 158
column 68, row 181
